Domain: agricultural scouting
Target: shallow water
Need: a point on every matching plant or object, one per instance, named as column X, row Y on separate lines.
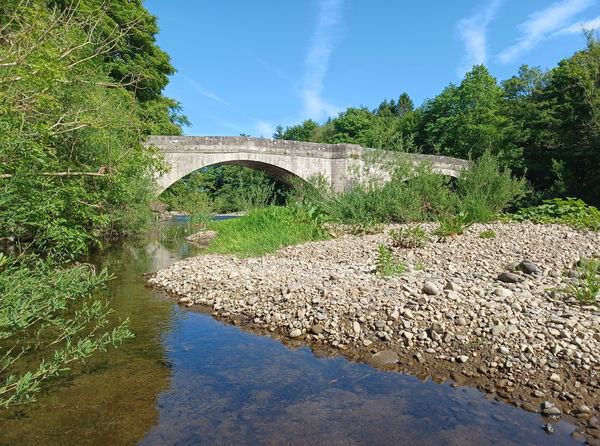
column 188, row 379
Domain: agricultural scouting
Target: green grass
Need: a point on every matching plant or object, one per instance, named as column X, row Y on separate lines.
column 263, row 231
column 387, row 264
column 487, row 234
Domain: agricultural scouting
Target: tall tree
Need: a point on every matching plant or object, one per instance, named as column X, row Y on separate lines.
column 466, row 120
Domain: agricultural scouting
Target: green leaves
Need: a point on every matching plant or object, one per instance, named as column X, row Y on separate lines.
column 49, row 317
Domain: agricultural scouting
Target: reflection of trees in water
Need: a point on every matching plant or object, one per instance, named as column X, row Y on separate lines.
column 112, row 399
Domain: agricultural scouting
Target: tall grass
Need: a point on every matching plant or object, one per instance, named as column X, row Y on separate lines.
column 263, row 231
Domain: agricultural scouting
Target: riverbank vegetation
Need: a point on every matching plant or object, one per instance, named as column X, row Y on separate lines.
column 81, row 86
column 415, row 193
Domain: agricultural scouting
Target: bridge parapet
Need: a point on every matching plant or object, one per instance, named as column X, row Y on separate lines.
column 243, row 143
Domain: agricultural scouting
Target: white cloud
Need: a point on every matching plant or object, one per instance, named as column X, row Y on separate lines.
column 317, row 61
column 576, row 28
column 473, row 31
column 541, row 24
column 204, row 92
column 264, row 129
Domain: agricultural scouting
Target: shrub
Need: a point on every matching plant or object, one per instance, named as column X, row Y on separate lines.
column 408, row 237
column 568, row 211
column 452, row 225
column 387, row 264
column 50, row 317
column 487, row 234
column 485, row 189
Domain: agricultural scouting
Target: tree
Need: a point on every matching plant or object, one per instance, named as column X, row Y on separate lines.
column 571, row 101
column 466, row 120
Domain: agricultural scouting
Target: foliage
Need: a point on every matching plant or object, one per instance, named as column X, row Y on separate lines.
column 223, row 189
column 569, row 211
column 466, row 120
column 49, row 318
column 387, row 264
column 264, row 230
column 74, row 169
column 488, row 233
column 485, row 189
column 80, row 88
column 409, row 237
column 200, row 218
column 586, row 288
column 453, row 225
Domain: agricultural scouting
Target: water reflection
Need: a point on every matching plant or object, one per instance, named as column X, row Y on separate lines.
column 112, row 399
column 188, row 379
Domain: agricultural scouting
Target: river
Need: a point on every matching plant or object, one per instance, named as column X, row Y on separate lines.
column 188, row 379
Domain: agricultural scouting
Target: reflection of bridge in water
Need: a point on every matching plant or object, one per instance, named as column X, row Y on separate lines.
column 280, row 158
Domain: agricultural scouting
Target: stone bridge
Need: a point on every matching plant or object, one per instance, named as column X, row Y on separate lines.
column 340, row 164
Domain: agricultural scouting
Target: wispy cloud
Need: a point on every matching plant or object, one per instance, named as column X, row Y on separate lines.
column 473, row 31
column 541, row 24
column 576, row 28
column 204, row 92
column 317, row 60
column 264, row 129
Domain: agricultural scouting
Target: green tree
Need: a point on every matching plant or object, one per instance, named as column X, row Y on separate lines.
column 466, row 120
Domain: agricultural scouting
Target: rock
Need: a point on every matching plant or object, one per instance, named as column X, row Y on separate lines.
column 382, row 358
column 554, row 377
column 502, row 292
column 335, row 276
column 317, row 329
column 295, row 333
column 356, row 328
column 462, row 359
column 552, row 411
column 510, row 278
column 431, row 288
column 528, row 267
column 367, row 342
column 548, row 428
column 438, row 328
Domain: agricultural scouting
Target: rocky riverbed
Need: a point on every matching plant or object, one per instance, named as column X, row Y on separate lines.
column 483, row 312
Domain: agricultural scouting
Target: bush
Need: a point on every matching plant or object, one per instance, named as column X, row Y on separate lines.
column 417, row 193
column 569, row 211
column 452, row 225
column 484, row 190
column 408, row 237
column 487, row 234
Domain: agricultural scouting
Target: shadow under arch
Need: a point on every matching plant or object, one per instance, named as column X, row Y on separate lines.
column 279, row 173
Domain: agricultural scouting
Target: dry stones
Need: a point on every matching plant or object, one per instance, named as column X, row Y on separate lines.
column 431, row 288
column 510, row 277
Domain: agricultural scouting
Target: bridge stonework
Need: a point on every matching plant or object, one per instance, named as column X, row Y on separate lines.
column 338, row 163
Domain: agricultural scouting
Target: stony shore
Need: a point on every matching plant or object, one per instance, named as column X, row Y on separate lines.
column 463, row 310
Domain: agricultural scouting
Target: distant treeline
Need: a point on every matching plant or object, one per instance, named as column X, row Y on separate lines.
column 542, row 124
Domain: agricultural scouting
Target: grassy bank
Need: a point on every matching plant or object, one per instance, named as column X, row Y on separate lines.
column 263, row 231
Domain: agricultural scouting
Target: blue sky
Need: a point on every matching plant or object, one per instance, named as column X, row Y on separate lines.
column 245, row 67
